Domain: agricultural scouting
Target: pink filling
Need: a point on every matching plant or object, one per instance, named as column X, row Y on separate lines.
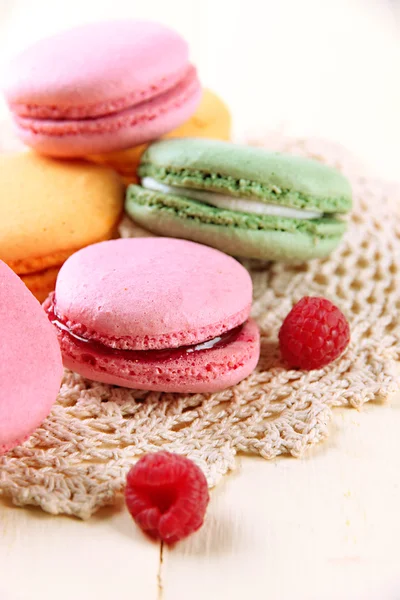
column 92, row 346
column 209, row 370
column 175, row 339
column 208, row 366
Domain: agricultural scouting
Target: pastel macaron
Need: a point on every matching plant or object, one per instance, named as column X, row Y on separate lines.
column 242, row 200
column 155, row 314
column 212, row 120
column 101, row 87
column 30, row 362
column 51, row 208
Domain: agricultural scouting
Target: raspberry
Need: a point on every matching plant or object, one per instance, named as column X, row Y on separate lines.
column 314, row 333
column 167, row 496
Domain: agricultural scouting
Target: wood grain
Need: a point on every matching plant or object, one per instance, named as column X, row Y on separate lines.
column 59, row 557
column 320, row 528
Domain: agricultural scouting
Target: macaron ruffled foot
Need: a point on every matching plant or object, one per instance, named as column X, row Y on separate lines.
column 101, row 87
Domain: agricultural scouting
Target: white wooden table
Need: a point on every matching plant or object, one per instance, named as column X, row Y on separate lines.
column 325, row 527
column 320, row 528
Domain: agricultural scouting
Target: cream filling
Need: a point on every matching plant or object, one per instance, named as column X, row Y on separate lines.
column 231, row 203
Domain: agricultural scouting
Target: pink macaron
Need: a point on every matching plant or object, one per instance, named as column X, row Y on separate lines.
column 101, row 87
column 155, row 314
column 30, row 361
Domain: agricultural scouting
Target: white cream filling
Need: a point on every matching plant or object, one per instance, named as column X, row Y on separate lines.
column 231, row 203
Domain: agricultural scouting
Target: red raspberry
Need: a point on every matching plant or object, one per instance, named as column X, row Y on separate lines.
column 167, row 496
column 314, row 333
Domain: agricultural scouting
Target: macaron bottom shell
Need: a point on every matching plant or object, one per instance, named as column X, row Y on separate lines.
column 237, row 234
column 203, row 371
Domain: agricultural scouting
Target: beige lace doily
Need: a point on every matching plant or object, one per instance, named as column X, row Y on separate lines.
column 77, row 461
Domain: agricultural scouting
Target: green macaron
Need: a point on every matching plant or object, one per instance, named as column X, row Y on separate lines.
column 242, row 200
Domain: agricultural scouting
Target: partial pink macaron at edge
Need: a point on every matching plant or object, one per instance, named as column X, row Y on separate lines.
column 101, row 87
column 156, row 314
column 30, row 362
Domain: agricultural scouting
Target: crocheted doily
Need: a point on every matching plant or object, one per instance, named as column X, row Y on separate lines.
column 77, row 461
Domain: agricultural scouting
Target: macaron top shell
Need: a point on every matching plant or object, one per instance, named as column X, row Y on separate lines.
column 151, row 293
column 246, row 171
column 95, row 69
column 30, row 361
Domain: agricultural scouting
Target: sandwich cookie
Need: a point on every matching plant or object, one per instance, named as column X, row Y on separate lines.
column 155, row 314
column 240, row 199
column 101, row 87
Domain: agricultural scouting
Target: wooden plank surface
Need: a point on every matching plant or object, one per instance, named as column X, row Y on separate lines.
column 325, row 527
column 45, row 557
column 321, row 528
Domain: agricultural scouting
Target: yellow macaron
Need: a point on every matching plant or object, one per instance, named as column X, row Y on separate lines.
column 51, row 208
column 211, row 120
